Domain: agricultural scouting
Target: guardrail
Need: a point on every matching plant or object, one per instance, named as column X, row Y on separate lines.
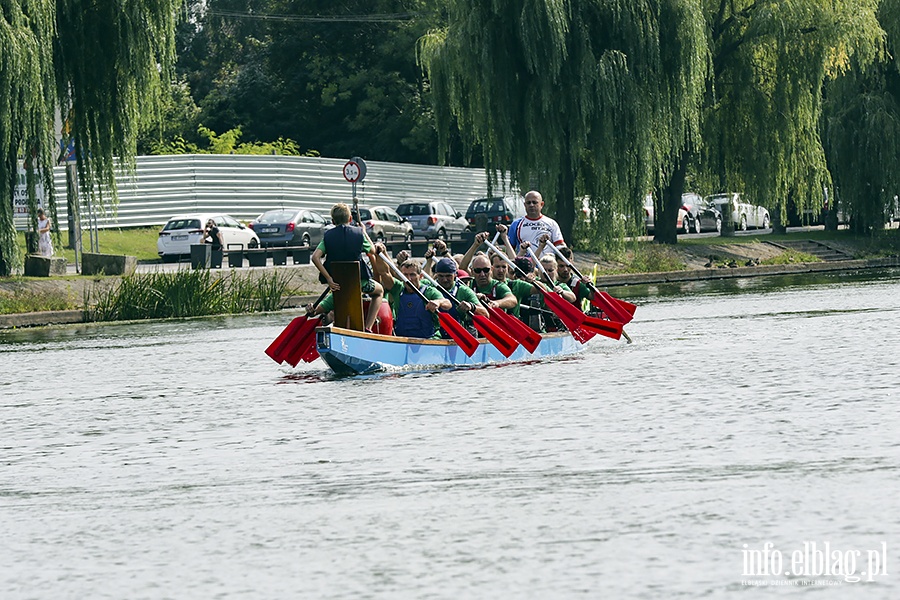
column 245, row 186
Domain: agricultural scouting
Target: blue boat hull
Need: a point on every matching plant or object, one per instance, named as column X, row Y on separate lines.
column 350, row 352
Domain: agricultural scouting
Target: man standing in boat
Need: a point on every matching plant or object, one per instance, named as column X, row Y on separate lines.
column 346, row 242
column 534, row 224
column 413, row 317
column 445, row 272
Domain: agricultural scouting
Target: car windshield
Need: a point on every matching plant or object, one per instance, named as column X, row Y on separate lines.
column 277, row 216
column 182, row 224
column 413, row 210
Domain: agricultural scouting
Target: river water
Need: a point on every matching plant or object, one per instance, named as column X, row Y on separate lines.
column 750, row 423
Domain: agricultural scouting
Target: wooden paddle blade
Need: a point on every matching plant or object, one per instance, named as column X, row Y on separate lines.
column 276, row 349
column 525, row 335
column 571, row 317
column 611, row 309
column 495, row 335
column 603, row 327
column 463, row 338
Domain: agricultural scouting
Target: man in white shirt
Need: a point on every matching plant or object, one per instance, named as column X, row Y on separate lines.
column 534, row 224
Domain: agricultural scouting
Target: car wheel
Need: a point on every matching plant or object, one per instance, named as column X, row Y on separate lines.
column 718, row 224
column 765, row 224
column 697, row 226
column 743, row 222
column 686, row 225
column 169, row 258
column 442, row 235
column 409, row 237
column 379, row 238
column 254, row 243
column 306, row 241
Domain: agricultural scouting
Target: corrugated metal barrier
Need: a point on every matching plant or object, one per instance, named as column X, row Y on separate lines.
column 245, row 186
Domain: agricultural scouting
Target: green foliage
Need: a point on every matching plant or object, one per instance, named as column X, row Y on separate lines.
column 330, row 75
column 185, row 293
column 771, row 60
column 588, row 97
column 228, row 143
column 23, row 300
column 862, row 126
column 653, row 258
column 102, row 63
column 790, row 256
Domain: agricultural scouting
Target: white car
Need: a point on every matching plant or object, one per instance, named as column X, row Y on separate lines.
column 743, row 214
column 181, row 231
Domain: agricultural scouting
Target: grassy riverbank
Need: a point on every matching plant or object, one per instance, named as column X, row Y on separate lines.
column 157, row 294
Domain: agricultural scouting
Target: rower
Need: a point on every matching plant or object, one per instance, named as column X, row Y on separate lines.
column 495, row 293
column 413, row 316
column 445, row 274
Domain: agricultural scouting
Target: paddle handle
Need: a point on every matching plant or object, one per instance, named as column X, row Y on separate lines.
column 506, row 259
column 321, row 297
column 448, row 295
column 402, row 277
column 540, row 266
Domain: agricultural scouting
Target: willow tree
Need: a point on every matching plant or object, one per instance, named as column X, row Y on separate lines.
column 100, row 64
column 862, row 129
column 761, row 117
column 572, row 97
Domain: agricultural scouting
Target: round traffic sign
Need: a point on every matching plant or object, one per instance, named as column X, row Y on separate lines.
column 352, row 171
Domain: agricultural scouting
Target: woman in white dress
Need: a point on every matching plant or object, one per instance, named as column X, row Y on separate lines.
column 45, row 244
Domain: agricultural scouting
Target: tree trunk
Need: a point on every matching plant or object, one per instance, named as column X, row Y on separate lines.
column 777, row 225
column 565, row 199
column 666, row 220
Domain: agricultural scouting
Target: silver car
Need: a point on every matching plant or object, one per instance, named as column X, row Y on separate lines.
column 433, row 220
column 743, row 214
column 383, row 224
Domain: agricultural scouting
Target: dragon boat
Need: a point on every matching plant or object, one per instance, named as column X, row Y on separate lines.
column 351, row 352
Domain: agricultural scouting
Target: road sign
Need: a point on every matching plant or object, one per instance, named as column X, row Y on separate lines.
column 352, row 172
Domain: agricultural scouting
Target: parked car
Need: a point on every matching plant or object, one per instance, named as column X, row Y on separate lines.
column 181, row 231
column 433, row 220
column 484, row 213
column 289, row 227
column 702, row 215
column 743, row 214
column 383, row 224
column 650, row 220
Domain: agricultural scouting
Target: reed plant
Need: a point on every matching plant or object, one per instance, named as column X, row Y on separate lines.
column 185, row 293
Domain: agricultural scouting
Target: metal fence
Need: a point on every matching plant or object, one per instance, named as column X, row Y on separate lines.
column 245, row 186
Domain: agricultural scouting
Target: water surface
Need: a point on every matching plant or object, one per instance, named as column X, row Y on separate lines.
column 175, row 460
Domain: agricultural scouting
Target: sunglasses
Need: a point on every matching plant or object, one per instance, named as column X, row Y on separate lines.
column 484, row 270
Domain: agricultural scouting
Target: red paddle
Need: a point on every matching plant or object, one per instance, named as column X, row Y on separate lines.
column 615, row 309
column 294, row 335
column 505, row 343
column 528, row 337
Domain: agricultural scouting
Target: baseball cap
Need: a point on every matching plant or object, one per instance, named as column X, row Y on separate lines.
column 445, row 265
